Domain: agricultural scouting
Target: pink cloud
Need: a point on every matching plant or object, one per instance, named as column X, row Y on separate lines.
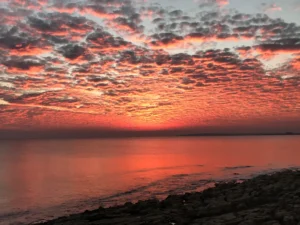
column 216, row 2
column 222, row 2
column 272, row 8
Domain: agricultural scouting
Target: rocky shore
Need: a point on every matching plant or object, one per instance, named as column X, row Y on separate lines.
column 266, row 199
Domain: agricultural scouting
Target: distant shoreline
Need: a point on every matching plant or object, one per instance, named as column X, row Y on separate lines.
column 243, row 134
column 265, row 199
column 94, row 135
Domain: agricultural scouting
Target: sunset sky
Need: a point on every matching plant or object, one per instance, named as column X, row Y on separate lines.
column 203, row 65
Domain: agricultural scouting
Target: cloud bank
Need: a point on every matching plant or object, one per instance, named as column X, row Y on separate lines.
column 125, row 64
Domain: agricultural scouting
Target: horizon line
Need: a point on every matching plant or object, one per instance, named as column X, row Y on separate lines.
column 38, row 135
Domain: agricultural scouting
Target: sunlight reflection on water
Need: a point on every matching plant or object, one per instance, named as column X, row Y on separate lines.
column 45, row 179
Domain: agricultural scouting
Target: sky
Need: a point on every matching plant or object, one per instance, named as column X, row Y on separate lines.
column 149, row 65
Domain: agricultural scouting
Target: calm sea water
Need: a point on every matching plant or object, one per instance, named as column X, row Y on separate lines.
column 40, row 180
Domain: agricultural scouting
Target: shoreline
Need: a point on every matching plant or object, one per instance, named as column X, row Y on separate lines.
column 270, row 199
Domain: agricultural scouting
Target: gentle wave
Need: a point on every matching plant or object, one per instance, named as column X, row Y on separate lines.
column 237, row 167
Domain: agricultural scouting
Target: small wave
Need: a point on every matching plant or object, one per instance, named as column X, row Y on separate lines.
column 236, row 167
column 13, row 214
column 180, row 175
column 179, row 183
column 164, row 168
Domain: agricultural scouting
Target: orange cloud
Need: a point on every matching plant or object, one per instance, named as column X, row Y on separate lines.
column 31, row 70
column 267, row 51
column 31, row 50
column 64, row 10
column 296, row 63
column 101, row 15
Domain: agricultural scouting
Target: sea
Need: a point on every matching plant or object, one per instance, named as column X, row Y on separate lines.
column 44, row 179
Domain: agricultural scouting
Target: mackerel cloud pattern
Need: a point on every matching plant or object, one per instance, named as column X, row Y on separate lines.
column 148, row 64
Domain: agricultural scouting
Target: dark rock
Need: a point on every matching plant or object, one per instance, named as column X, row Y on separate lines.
column 289, row 220
column 272, row 222
column 241, row 206
column 128, row 204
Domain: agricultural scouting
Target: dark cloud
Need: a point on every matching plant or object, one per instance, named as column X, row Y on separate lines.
column 187, row 80
column 111, row 93
column 177, row 70
column 165, row 38
column 59, row 22
column 176, row 13
column 101, row 84
column 131, row 23
column 156, row 9
column 106, row 2
column 164, row 72
column 82, row 69
column 13, row 38
column 158, row 20
column 56, row 70
column 212, row 24
column 23, row 63
column 227, row 57
column 130, row 57
column 58, row 5
column 181, row 59
column 30, row 96
column 100, row 11
column 45, row 25
column 64, row 99
column 209, row 16
column 56, row 40
column 161, row 59
column 72, row 51
column 199, row 35
column 199, row 84
column 289, row 44
column 135, row 18
column 185, row 18
column 102, row 39
column 95, row 78
column 200, row 76
column 12, row 13
column 126, row 10
column 204, row 4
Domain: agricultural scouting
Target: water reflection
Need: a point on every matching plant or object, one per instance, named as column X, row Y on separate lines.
column 37, row 174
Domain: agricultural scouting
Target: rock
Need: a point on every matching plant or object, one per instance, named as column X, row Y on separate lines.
column 142, row 207
column 280, row 214
column 241, row 206
column 128, row 204
column 289, row 220
column 94, row 217
column 247, row 222
column 272, row 222
column 228, row 217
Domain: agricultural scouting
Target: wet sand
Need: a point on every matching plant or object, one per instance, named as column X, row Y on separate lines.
column 271, row 199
